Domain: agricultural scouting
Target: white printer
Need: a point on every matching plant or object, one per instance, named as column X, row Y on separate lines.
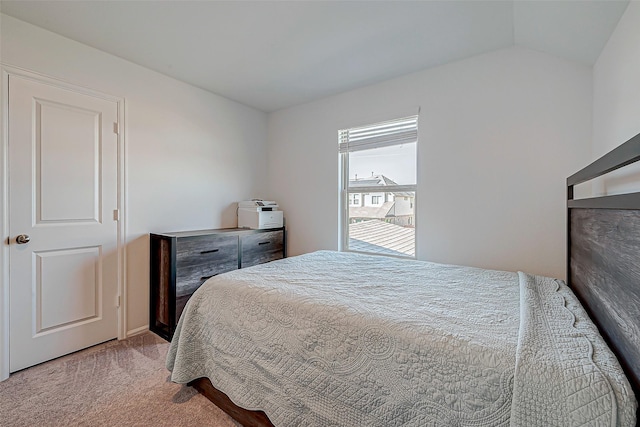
column 258, row 214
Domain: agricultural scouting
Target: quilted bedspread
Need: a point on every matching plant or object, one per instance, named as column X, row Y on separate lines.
column 342, row 339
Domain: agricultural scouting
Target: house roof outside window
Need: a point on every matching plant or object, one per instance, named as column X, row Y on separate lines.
column 381, row 237
column 376, row 181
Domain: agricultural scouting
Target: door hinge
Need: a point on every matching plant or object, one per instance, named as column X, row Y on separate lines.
column 116, row 214
column 116, row 128
column 118, row 301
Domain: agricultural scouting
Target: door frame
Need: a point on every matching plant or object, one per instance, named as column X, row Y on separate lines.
column 10, row 70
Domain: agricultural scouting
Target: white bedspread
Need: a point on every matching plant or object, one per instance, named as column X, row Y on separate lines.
column 340, row 339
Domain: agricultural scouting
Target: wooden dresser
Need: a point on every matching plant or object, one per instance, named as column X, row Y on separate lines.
column 182, row 261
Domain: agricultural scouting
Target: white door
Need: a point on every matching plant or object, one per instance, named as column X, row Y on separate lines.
column 62, row 196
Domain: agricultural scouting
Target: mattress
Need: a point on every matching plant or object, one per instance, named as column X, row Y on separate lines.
column 344, row 339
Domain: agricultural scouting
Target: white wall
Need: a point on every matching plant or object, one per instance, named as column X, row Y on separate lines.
column 616, row 99
column 498, row 135
column 190, row 154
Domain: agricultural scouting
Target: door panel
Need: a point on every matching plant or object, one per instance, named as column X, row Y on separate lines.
column 54, row 171
column 62, row 194
column 67, row 287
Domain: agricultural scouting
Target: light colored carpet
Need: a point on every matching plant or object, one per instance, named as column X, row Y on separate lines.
column 118, row 383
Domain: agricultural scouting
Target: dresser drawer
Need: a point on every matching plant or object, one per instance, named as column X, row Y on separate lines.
column 201, row 257
column 259, row 248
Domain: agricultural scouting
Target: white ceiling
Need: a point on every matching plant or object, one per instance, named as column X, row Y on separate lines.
column 275, row 54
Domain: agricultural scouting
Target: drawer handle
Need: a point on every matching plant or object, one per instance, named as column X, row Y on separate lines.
column 263, row 243
column 209, row 251
column 203, row 278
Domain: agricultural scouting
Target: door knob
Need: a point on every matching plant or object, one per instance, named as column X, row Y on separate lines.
column 22, row 239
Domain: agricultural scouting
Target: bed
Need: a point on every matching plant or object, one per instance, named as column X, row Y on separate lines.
column 347, row 339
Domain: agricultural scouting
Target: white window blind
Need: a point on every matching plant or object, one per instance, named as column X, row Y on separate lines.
column 386, row 134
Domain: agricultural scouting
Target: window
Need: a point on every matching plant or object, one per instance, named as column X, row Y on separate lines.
column 379, row 159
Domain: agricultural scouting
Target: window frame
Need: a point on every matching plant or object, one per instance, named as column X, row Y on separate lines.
column 345, row 191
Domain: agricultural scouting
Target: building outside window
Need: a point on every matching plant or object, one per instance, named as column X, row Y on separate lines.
column 378, row 165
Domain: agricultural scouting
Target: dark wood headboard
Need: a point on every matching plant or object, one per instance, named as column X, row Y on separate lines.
column 603, row 256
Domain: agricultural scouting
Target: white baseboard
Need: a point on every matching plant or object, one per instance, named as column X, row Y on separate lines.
column 137, row 331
